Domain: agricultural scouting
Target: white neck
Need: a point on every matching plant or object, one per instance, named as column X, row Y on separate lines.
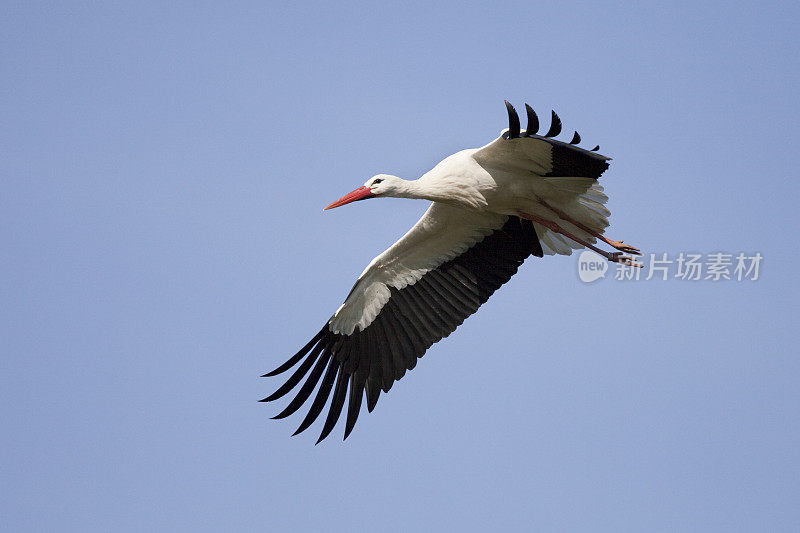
column 437, row 189
column 411, row 189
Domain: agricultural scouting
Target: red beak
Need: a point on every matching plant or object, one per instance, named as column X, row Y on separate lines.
column 362, row 193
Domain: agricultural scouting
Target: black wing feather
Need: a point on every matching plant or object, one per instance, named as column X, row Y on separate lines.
column 322, row 396
column 555, row 126
column 299, row 374
column 513, row 121
column 533, row 121
column 339, row 394
column 296, row 357
column 306, row 390
column 570, row 160
column 354, row 404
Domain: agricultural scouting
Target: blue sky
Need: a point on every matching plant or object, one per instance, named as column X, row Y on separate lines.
column 164, row 170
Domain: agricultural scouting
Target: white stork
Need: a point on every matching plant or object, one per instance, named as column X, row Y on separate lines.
column 522, row 194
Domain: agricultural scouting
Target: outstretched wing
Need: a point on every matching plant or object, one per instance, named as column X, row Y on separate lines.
column 409, row 297
column 517, row 150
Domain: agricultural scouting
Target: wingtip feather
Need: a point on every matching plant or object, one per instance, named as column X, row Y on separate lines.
column 298, row 356
column 335, row 409
column 513, row 121
column 555, row 126
column 533, row 121
column 354, row 405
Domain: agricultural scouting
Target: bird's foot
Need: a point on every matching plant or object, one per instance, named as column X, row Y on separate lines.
column 627, row 248
column 617, row 257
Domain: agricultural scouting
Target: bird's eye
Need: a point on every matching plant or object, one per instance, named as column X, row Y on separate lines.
column 377, row 181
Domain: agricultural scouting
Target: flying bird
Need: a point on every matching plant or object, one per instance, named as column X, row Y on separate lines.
column 522, row 194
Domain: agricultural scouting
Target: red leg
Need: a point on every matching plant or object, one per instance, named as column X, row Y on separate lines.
column 615, row 257
column 614, row 244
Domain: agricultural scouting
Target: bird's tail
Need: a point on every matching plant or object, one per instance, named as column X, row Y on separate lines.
column 587, row 207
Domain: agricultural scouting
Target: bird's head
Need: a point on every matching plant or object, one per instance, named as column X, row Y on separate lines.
column 380, row 185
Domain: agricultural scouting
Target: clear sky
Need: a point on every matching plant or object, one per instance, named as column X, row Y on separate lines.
column 164, row 169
